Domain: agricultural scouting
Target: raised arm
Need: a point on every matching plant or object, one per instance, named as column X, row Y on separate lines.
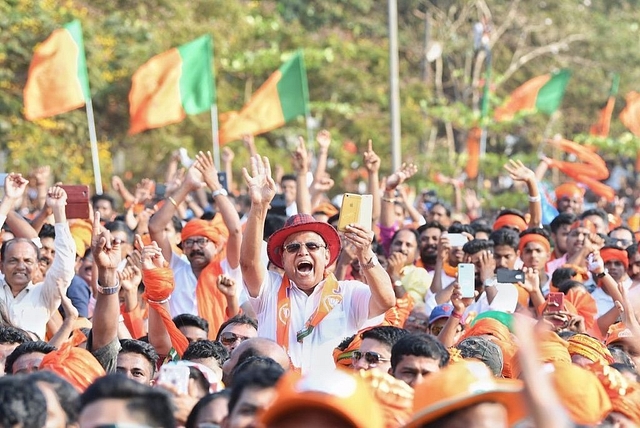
column 227, row 162
column 262, row 189
column 519, row 172
column 324, row 141
column 204, row 164
column 300, row 161
column 372, row 163
column 394, row 180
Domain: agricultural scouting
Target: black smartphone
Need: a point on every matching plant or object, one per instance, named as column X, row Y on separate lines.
column 222, row 178
column 161, row 190
column 510, row 276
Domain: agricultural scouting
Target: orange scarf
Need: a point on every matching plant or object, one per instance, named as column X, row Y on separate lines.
column 158, row 287
column 330, row 298
column 450, row 271
column 134, row 321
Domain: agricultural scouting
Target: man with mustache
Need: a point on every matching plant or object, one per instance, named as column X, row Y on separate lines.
column 307, row 310
column 212, row 248
column 428, row 244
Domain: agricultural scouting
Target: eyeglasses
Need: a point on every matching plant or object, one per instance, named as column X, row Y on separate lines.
column 227, row 338
column 436, row 329
column 372, row 358
column 294, row 247
column 201, row 242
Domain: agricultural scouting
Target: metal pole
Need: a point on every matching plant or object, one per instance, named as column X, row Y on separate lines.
column 215, row 136
column 94, row 147
column 394, row 82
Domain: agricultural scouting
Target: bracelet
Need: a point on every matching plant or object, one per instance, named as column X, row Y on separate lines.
column 535, row 198
column 173, row 201
column 108, row 290
column 456, row 316
column 390, row 200
column 222, row 192
column 370, row 264
column 160, row 301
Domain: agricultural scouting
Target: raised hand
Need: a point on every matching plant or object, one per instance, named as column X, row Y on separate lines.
column 300, row 158
column 117, row 184
column 227, row 155
column 531, row 280
column 324, row 139
column 56, row 197
column 405, row 172
column 204, row 164
column 130, row 277
column 361, row 239
column 15, row 186
column 193, row 178
column 144, row 190
column 261, row 186
column 41, row 175
column 323, row 184
column 370, row 159
column 471, row 200
column 106, row 250
column 395, row 262
column 151, row 255
column 226, row 285
column 487, row 265
column 518, row 172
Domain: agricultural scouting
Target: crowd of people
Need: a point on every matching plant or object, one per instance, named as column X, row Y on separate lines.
column 202, row 302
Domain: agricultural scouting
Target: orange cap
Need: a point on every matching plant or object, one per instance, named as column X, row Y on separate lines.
column 590, row 348
column 552, row 348
column 460, row 385
column 581, row 393
column 341, row 393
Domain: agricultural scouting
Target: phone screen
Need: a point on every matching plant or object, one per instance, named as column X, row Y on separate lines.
column 457, row 240
column 467, row 279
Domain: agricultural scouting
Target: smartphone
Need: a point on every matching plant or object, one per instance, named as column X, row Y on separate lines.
column 3, row 177
column 510, row 276
column 555, row 302
column 176, row 375
column 222, row 178
column 161, row 190
column 457, row 239
column 77, row 201
column 355, row 209
column 467, row 279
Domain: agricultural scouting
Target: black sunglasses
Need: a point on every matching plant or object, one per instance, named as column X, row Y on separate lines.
column 294, row 247
column 370, row 357
column 228, row 338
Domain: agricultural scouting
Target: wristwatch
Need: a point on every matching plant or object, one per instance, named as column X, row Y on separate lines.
column 371, row 263
column 601, row 274
column 397, row 283
column 221, row 191
column 108, row 290
column 490, row 282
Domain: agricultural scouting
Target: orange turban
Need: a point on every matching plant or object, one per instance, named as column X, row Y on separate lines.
column 585, row 304
column 569, row 190
column 624, row 395
column 587, row 224
column 342, row 357
column 76, row 365
column 214, row 230
column 394, row 396
column 610, row 254
column 590, row 348
column 552, row 348
column 534, row 237
column 502, row 338
column 510, row 220
column 581, row 394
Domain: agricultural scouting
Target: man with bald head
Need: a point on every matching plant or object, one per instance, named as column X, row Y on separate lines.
column 256, row 346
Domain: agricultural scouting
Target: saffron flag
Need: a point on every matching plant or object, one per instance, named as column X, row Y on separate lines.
column 171, row 85
column 543, row 93
column 601, row 127
column 57, row 81
column 283, row 97
column 630, row 115
column 473, row 149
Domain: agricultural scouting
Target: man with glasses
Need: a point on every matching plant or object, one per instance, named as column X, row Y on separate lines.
column 211, row 247
column 236, row 330
column 307, row 310
column 375, row 348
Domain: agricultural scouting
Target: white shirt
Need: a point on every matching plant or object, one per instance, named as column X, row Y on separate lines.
column 316, row 350
column 183, row 298
column 31, row 309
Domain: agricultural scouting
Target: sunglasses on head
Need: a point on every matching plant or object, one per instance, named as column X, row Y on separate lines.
column 294, row 247
column 370, row 357
column 228, row 338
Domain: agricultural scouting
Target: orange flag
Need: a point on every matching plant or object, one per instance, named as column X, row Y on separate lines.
column 601, row 127
column 473, row 149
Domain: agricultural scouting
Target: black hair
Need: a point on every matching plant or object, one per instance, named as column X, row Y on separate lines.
column 204, row 402
column 190, row 320
column 237, row 319
column 288, row 177
column 408, row 229
column 262, row 375
column 345, row 342
column 568, row 284
column 274, row 221
column 133, row 346
column 506, row 211
column 446, row 207
column 146, row 405
column 103, row 197
column 386, row 334
column 631, row 251
column 420, row 345
column 120, row 226
column 505, row 236
column 9, row 334
column 562, row 274
column 199, row 379
column 536, row 231
column 476, row 245
column 22, row 404
column 458, row 227
column 206, row 349
column 567, row 334
column 26, row 348
column 431, row 225
column 562, row 219
column 177, row 223
column 633, row 235
column 481, row 225
column 47, row 231
column 620, row 356
column 6, row 244
column 597, row 212
column 208, row 215
column 67, row 395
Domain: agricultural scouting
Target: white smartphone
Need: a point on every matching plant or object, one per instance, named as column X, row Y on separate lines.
column 467, row 279
column 176, row 375
column 457, row 240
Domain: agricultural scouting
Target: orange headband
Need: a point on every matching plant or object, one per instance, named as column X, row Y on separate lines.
column 510, row 220
column 610, row 254
column 568, row 190
column 534, row 237
column 587, row 224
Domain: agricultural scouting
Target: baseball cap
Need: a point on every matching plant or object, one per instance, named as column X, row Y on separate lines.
column 441, row 311
column 483, row 350
column 339, row 392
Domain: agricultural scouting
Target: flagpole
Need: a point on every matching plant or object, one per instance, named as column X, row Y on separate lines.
column 215, row 135
column 94, row 147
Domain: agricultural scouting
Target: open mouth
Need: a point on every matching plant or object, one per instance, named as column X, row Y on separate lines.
column 304, row 267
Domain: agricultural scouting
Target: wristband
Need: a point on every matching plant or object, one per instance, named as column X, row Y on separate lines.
column 108, row 290
column 390, row 200
column 373, row 262
column 534, row 198
column 218, row 192
column 456, row 316
column 173, row 201
column 601, row 274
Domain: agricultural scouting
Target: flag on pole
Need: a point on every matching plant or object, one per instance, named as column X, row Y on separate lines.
column 601, row 127
column 57, row 81
column 171, row 85
column 543, row 93
column 283, row 97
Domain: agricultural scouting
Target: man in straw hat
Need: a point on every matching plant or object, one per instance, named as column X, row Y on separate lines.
column 307, row 311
